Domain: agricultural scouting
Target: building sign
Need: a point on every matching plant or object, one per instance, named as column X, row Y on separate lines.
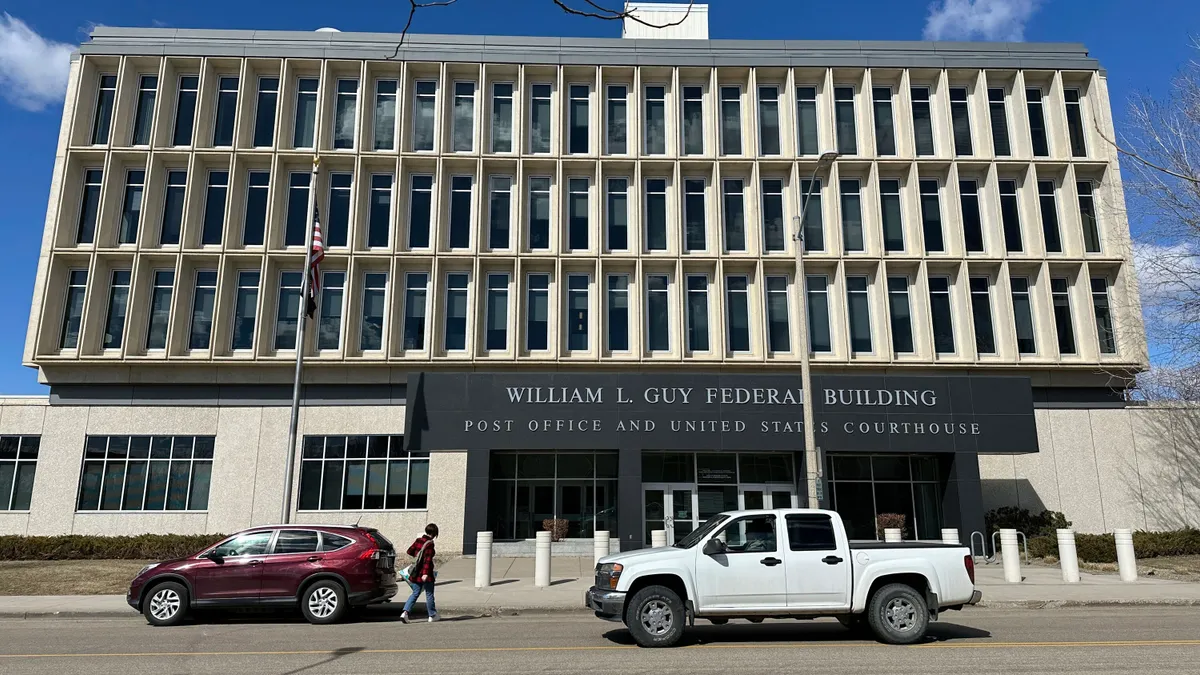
column 672, row 411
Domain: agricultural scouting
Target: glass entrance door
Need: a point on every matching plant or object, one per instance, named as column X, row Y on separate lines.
column 766, row 497
column 670, row 507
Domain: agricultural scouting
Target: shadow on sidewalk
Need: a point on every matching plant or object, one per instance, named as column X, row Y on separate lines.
column 785, row 631
column 386, row 613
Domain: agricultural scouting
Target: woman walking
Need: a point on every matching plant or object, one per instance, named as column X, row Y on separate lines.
column 421, row 575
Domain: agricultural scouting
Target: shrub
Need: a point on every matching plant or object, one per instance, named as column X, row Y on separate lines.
column 1033, row 525
column 886, row 521
column 557, row 527
column 89, row 547
column 1102, row 548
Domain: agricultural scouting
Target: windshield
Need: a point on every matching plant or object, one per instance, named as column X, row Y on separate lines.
column 696, row 535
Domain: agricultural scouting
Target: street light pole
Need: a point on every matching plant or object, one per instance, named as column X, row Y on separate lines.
column 812, row 465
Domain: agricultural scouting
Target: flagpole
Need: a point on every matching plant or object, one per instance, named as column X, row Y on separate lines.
column 293, row 424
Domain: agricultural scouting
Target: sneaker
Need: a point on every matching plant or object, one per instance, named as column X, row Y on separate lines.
column 404, row 617
column 435, row 617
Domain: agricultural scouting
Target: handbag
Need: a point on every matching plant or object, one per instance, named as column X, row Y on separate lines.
column 406, row 573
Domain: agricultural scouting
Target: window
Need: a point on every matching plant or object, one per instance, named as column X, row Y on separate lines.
column 18, row 463
column 89, row 208
column 540, row 118
column 734, row 214
column 768, row 120
column 105, row 98
column 379, row 215
column 859, row 305
column 73, row 311
column 415, row 298
column 577, row 214
column 931, row 216
column 185, row 109
column 385, row 114
column 656, row 214
column 755, row 534
column 296, row 227
column 618, row 312
column 960, row 119
column 288, row 311
column 502, row 117
column 774, row 233
column 1075, row 123
column 456, row 311
column 537, row 320
column 1037, row 122
column 460, row 211
column 901, row 315
column 424, row 114
column 695, row 235
column 160, row 309
column 131, row 206
column 981, row 315
column 697, row 313
column 143, row 120
column 420, row 205
column 737, row 312
column 1010, row 215
column 304, row 131
column 731, row 120
column 296, row 541
column 618, row 120
column 843, row 109
column 249, row 544
column 346, row 107
column 227, row 96
column 524, row 487
column 922, row 121
column 806, row 121
column 463, row 131
column 146, row 473
column 693, row 120
column 1023, row 315
column 972, row 223
column 1048, row 202
column 658, row 325
column 539, row 213
column 617, row 214
column 885, row 125
column 214, row 207
column 577, row 312
column 1063, row 324
column 245, row 308
column 353, row 473
column 810, row 532
column 656, row 121
column 254, row 225
column 329, row 327
column 812, row 223
column 172, row 219
column 1104, row 322
column 998, row 111
column 118, row 304
column 778, row 330
column 939, row 309
column 337, row 225
column 817, row 288
column 499, row 211
column 852, row 225
column 890, row 212
column 374, row 305
column 264, row 113
column 203, row 300
column 1087, row 216
column 578, row 111
column 497, row 311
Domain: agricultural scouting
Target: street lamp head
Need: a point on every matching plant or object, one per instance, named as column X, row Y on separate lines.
column 827, row 157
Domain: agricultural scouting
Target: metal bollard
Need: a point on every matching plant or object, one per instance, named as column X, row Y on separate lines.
column 1126, row 559
column 950, row 535
column 541, row 560
column 483, row 559
column 600, row 543
column 614, row 545
column 658, row 538
column 892, row 534
column 1068, row 559
column 1011, row 555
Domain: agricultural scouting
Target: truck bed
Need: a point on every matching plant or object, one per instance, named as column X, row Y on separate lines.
column 869, row 545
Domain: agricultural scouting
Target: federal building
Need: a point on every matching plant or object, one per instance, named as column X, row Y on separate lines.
column 560, row 281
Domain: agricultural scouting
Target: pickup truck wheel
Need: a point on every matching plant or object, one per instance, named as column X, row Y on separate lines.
column 898, row 614
column 655, row 617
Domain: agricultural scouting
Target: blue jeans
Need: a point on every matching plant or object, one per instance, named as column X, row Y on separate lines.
column 430, row 605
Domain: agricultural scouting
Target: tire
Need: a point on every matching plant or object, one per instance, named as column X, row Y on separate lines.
column 324, row 602
column 655, row 617
column 898, row 615
column 165, row 604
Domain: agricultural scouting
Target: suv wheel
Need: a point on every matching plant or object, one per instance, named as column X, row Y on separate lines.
column 655, row 617
column 165, row 604
column 323, row 602
column 898, row 614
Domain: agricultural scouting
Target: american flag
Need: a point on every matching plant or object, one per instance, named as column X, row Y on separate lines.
column 316, row 255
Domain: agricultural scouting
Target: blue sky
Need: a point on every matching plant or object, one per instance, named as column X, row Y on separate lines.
column 1142, row 45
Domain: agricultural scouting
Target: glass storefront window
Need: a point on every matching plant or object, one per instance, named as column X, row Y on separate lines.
column 764, row 468
column 864, row 486
column 527, row 488
column 668, row 467
column 716, row 469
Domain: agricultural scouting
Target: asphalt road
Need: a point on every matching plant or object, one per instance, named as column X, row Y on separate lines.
column 1092, row 640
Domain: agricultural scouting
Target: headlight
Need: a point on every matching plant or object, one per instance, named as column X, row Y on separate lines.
column 613, row 573
column 147, row 568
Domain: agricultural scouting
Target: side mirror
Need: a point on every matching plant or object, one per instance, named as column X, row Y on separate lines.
column 714, row 547
column 215, row 557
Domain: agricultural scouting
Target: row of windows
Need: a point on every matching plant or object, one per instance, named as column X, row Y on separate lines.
column 731, row 124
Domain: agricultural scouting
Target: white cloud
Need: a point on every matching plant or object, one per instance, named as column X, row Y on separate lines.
column 979, row 19
column 33, row 70
column 1167, row 273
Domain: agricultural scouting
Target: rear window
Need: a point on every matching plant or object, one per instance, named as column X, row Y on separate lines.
column 332, row 542
column 810, row 532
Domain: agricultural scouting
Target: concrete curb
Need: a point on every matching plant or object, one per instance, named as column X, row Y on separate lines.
column 1067, row 604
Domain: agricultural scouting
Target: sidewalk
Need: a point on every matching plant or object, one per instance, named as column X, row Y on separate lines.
column 512, row 591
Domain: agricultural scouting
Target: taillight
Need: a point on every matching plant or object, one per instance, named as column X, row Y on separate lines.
column 373, row 541
column 969, row 563
column 373, row 554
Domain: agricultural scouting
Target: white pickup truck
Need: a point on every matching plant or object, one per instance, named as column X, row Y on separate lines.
column 783, row 563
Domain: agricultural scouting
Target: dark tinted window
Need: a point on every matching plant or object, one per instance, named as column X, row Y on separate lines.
column 811, row 532
column 332, row 542
column 296, row 541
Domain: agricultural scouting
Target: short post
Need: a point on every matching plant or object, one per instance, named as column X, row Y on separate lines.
column 483, row 559
column 600, row 544
column 541, row 560
column 658, row 538
column 950, row 535
column 1068, row 559
column 892, row 534
column 614, row 545
column 1011, row 554
column 1126, row 559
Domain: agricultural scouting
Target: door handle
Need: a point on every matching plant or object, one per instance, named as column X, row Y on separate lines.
column 770, row 562
column 314, row 558
column 255, row 562
column 831, row 560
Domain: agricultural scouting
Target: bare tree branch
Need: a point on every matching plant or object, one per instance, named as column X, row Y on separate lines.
column 600, row 12
column 414, row 5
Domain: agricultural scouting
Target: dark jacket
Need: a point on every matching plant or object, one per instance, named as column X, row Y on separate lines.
column 422, row 570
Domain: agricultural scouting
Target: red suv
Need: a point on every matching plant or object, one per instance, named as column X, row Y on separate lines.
column 323, row 568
